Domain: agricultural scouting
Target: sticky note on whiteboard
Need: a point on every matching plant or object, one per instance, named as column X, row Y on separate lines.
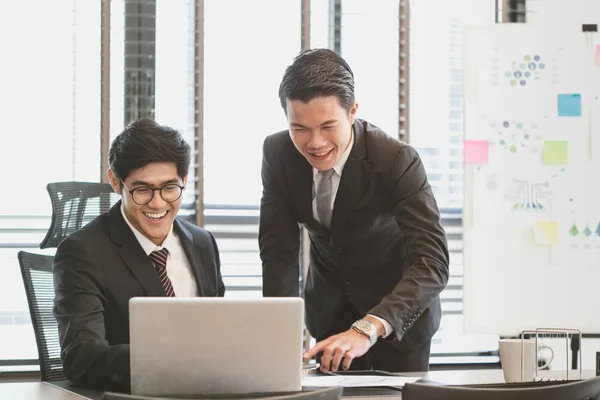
column 569, row 105
column 555, row 152
column 476, row 152
column 545, row 233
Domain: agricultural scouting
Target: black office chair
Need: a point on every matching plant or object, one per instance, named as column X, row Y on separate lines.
column 330, row 393
column 36, row 270
column 588, row 389
column 74, row 204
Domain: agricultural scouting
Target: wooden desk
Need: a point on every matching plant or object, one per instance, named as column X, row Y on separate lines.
column 47, row 391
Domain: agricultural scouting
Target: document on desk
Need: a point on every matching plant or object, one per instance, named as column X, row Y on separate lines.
column 356, row 380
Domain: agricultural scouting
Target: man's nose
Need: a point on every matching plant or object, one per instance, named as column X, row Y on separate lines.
column 316, row 140
column 157, row 200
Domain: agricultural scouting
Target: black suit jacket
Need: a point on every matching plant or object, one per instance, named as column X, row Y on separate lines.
column 386, row 253
column 96, row 271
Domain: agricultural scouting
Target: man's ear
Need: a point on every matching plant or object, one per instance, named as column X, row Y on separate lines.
column 115, row 183
column 353, row 111
column 185, row 180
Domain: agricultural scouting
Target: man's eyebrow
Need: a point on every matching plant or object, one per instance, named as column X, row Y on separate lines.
column 297, row 125
column 328, row 122
column 144, row 183
column 139, row 183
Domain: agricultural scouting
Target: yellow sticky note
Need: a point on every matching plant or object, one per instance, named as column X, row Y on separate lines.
column 556, row 152
column 545, row 233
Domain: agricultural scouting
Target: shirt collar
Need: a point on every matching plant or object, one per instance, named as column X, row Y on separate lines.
column 339, row 166
column 146, row 243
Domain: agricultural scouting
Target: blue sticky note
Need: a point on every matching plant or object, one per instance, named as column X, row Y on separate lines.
column 569, row 105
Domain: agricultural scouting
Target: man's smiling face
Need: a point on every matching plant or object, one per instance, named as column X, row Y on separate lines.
column 154, row 219
column 320, row 129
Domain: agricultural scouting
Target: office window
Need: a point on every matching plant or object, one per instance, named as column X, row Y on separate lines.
column 455, row 114
column 175, row 79
column 321, row 24
column 247, row 45
column 369, row 43
column 455, row 101
column 242, row 72
column 455, row 127
column 50, row 80
column 152, row 72
column 436, row 130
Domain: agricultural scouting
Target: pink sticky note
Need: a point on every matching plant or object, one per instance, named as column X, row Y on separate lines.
column 476, row 152
column 597, row 57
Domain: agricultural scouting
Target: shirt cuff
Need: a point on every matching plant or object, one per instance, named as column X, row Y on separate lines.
column 386, row 325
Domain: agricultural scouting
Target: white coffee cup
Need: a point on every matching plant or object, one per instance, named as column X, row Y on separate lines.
column 510, row 357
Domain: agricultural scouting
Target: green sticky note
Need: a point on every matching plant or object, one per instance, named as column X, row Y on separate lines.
column 556, row 152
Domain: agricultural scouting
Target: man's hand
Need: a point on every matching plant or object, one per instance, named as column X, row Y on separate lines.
column 346, row 345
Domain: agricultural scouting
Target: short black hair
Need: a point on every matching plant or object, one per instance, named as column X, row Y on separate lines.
column 145, row 141
column 318, row 73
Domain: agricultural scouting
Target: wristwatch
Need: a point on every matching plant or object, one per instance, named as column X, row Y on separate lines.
column 366, row 328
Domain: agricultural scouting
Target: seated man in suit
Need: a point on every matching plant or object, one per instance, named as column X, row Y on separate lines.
column 378, row 253
column 136, row 249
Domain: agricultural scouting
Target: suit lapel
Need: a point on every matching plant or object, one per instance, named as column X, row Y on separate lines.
column 192, row 253
column 132, row 253
column 355, row 179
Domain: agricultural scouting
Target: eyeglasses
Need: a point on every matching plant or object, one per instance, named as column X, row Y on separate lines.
column 144, row 194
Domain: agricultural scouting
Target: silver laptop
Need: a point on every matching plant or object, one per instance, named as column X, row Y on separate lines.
column 208, row 345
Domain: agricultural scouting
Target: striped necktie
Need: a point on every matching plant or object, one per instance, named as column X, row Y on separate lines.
column 159, row 258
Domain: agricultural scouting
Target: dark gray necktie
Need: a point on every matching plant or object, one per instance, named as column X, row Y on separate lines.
column 324, row 193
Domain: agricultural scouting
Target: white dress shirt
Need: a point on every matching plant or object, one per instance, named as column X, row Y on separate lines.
column 335, row 184
column 179, row 269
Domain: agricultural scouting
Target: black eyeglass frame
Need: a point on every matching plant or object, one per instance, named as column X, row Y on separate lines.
column 160, row 189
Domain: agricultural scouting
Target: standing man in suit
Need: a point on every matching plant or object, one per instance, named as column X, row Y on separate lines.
column 378, row 253
column 136, row 249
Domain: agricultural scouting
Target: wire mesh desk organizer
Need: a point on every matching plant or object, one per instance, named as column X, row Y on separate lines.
column 572, row 341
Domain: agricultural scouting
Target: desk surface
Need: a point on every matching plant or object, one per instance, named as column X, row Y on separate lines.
column 35, row 391
column 48, row 391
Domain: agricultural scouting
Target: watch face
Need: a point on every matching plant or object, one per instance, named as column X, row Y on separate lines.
column 364, row 325
column 367, row 328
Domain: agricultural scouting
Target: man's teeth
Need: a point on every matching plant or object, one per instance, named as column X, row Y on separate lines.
column 321, row 154
column 155, row 216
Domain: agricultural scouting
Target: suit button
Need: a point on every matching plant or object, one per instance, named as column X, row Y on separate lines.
column 337, row 249
column 347, row 281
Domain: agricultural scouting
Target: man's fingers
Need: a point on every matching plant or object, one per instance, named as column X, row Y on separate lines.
column 327, row 357
column 339, row 351
column 348, row 358
column 337, row 357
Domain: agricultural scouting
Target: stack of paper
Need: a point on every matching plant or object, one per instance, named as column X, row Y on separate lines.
column 356, row 380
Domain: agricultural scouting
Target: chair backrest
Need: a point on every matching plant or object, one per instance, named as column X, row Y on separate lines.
column 74, row 204
column 328, row 393
column 36, row 270
column 588, row 389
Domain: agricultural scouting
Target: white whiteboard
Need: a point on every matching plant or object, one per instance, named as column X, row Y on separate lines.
column 532, row 181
